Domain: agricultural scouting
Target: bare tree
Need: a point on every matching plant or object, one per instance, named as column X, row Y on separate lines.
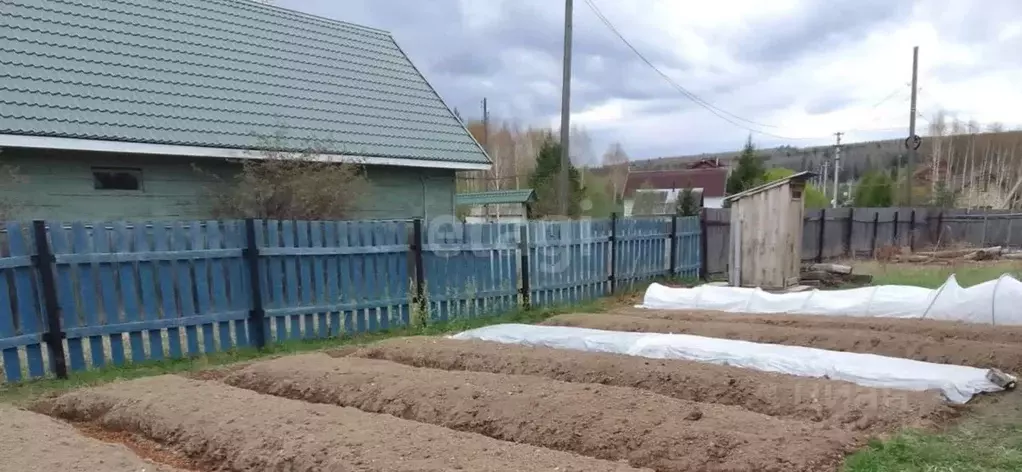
column 616, row 160
column 274, row 184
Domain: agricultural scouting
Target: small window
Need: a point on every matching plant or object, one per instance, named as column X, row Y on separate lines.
column 796, row 193
column 116, row 178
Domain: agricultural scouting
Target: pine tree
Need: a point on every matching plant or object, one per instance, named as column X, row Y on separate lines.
column 687, row 204
column 545, row 181
column 749, row 171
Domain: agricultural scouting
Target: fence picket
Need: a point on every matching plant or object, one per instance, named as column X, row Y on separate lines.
column 332, row 292
column 197, row 241
column 128, row 276
column 218, row 288
column 320, row 292
column 184, row 287
column 305, row 280
column 108, row 291
column 150, row 300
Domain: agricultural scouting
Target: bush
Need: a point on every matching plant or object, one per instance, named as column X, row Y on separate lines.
column 876, row 189
column 287, row 186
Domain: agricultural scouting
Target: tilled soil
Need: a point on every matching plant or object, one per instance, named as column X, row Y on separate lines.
column 227, row 428
column 37, row 443
column 938, row 330
column 829, row 402
column 1007, row 357
column 613, row 423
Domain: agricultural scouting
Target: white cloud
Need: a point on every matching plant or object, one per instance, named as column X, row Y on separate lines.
column 808, row 67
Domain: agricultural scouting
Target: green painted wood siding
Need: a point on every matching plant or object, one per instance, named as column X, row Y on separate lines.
column 59, row 185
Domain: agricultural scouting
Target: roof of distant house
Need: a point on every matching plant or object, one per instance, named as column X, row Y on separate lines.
column 218, row 74
column 495, row 197
column 713, row 180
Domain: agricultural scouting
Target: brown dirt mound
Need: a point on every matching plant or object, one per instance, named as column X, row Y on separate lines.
column 830, row 402
column 938, row 330
column 36, row 443
column 234, row 429
column 1006, row 357
column 612, row 423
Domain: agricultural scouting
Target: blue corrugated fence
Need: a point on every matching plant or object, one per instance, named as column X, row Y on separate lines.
column 130, row 292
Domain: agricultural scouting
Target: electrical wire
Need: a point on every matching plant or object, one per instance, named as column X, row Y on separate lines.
column 719, row 112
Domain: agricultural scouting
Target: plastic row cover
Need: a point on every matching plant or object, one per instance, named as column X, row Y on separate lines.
column 957, row 383
column 992, row 302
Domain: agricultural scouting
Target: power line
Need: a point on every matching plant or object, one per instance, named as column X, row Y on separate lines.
column 691, row 96
column 717, row 111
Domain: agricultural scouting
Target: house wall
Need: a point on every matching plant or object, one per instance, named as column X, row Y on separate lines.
column 59, row 185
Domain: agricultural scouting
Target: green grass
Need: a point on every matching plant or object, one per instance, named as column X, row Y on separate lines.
column 932, row 276
column 27, row 391
column 989, row 437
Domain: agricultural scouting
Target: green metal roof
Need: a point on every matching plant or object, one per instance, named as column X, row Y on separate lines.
column 495, row 197
column 217, row 73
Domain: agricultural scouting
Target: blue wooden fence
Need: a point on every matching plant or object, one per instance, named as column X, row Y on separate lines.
column 135, row 292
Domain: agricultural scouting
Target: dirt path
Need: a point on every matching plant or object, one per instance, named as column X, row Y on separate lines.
column 1007, row 357
column 612, row 423
column 938, row 330
column 826, row 401
column 37, row 443
column 228, row 428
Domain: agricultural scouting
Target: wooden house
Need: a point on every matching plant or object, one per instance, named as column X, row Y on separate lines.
column 766, row 233
column 107, row 108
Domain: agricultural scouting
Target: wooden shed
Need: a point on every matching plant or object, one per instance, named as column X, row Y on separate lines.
column 766, row 233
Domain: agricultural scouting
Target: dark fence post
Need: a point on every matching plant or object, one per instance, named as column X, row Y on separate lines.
column 257, row 314
column 674, row 246
column 54, row 335
column 849, row 233
column 420, row 272
column 912, row 232
column 613, row 253
column 704, row 263
column 526, row 289
column 876, row 224
column 894, row 240
column 820, row 238
column 940, row 229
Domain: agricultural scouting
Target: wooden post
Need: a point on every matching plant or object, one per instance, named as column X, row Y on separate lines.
column 420, row 273
column 940, row 228
column 894, row 240
column 912, row 232
column 820, row 238
column 54, row 335
column 704, row 259
column 876, row 224
column 257, row 313
column 849, row 233
column 673, row 245
column 526, row 289
column 613, row 253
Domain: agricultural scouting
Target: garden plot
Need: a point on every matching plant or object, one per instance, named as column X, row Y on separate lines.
column 36, row 443
column 983, row 354
column 822, row 401
column 227, row 428
column 613, row 423
column 938, row 330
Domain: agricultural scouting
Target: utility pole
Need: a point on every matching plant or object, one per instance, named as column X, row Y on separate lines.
column 564, row 194
column 826, row 167
column 911, row 142
column 837, row 166
column 486, row 144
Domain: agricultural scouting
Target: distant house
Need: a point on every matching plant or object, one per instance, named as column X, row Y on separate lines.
column 106, row 107
column 657, row 192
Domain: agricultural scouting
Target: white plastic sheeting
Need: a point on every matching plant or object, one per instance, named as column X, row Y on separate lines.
column 957, row 383
column 992, row 302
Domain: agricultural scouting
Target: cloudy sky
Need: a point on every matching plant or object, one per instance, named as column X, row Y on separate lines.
column 795, row 71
